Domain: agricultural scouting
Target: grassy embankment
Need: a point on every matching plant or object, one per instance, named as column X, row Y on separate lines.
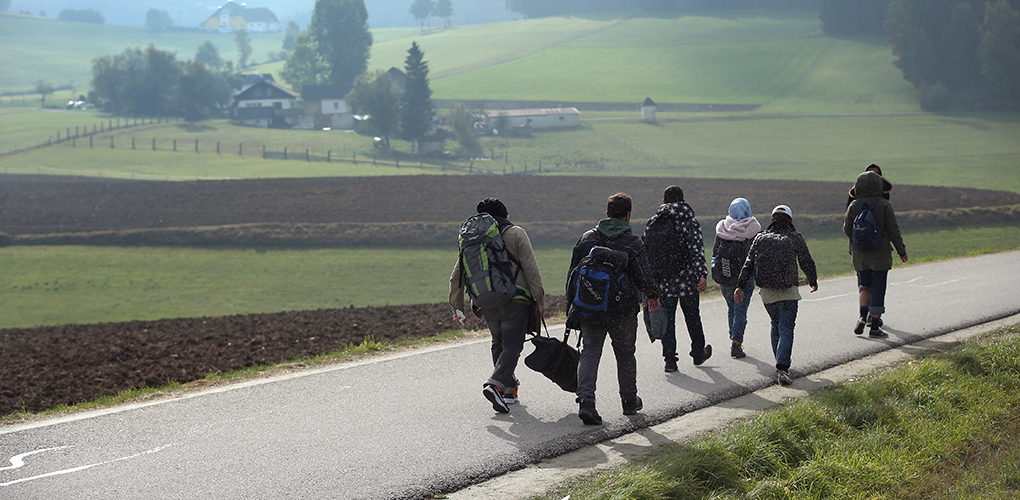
column 70, row 284
column 940, row 427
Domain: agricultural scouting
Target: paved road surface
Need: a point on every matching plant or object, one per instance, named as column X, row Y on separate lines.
column 413, row 424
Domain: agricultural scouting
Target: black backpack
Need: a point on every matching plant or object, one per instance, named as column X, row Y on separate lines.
column 660, row 239
column 485, row 263
column 596, row 286
column 728, row 259
column 867, row 234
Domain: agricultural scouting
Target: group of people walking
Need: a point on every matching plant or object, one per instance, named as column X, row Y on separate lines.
column 665, row 269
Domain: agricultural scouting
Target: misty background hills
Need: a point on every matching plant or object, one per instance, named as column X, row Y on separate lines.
column 381, row 13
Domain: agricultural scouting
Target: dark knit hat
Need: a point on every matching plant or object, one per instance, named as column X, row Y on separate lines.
column 493, row 207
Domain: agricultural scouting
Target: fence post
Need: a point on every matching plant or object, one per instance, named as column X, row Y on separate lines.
column 75, row 130
column 68, row 132
column 329, row 156
column 132, row 144
column 74, row 142
column 175, row 145
column 58, row 137
column 540, row 166
column 101, row 125
column 153, row 143
column 354, row 157
column 196, row 144
column 263, row 152
column 217, row 147
column 285, row 152
column 373, row 159
column 90, row 140
column 111, row 142
column 397, row 159
column 240, row 150
column 49, row 140
column 307, row 157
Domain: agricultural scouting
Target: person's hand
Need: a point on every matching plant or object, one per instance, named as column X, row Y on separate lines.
column 738, row 295
column 458, row 317
column 653, row 304
column 903, row 258
column 702, row 284
column 541, row 310
column 814, row 288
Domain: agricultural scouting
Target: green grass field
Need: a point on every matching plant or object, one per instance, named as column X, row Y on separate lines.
column 61, row 53
column 46, row 285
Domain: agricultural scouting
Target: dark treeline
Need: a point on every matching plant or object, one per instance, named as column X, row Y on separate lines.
column 152, row 82
column 81, row 16
column 539, row 8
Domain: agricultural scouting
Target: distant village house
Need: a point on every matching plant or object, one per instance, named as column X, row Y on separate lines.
column 266, row 104
column 325, row 107
column 234, row 16
column 522, row 121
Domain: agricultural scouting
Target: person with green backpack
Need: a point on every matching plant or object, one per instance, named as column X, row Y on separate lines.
column 498, row 270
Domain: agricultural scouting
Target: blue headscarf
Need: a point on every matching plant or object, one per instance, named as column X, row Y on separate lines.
column 740, row 209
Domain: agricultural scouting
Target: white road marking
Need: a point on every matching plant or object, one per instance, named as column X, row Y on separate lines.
column 19, row 460
column 83, row 467
column 906, row 282
column 943, row 283
column 826, row 298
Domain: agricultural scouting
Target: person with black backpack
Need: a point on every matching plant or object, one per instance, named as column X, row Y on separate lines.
column 870, row 224
column 733, row 236
column 676, row 254
column 497, row 268
column 608, row 246
column 772, row 261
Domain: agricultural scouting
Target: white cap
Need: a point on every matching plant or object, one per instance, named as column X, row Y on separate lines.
column 782, row 209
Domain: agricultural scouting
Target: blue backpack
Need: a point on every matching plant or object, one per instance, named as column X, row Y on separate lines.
column 867, row 234
column 595, row 285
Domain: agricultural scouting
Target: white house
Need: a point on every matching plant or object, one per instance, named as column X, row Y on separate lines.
column 325, row 107
column 265, row 104
column 534, row 118
column 237, row 16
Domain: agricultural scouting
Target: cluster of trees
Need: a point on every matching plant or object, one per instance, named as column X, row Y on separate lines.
column 959, row 54
column 81, row 16
column 152, row 82
column 158, row 20
column 854, row 17
column 334, row 49
column 423, row 10
column 407, row 113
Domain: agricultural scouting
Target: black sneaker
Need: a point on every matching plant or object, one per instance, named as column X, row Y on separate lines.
column 861, row 323
column 736, row 351
column 587, row 412
column 783, row 377
column 631, row 407
column 877, row 333
column 705, row 354
column 876, row 322
column 495, row 396
column 671, row 366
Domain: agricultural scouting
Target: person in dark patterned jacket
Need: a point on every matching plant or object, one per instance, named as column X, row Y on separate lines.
column 676, row 253
column 772, row 261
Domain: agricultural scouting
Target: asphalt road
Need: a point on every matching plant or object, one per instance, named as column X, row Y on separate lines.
column 413, row 424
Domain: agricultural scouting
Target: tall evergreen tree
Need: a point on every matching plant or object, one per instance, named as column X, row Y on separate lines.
column 339, row 29
column 243, row 42
column 418, row 113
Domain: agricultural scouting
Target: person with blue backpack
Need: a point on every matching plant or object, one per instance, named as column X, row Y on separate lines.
column 870, row 224
column 608, row 269
column 498, row 269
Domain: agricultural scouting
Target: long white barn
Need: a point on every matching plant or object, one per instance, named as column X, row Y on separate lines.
column 535, row 118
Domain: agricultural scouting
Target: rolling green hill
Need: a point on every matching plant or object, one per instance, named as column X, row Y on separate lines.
column 778, row 60
column 61, row 53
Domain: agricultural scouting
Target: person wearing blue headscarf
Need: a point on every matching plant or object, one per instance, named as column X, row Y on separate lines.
column 733, row 236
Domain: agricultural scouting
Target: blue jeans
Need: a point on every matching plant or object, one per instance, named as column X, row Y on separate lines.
column 736, row 314
column 508, row 326
column 622, row 332
column 689, row 305
column 876, row 283
column 784, row 318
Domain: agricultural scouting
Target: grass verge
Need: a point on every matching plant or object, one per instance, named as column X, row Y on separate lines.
column 936, row 427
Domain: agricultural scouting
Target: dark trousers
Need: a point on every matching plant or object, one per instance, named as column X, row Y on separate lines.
column 509, row 327
column 622, row 332
column 691, row 309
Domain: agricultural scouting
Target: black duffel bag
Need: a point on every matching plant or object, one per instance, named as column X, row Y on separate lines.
column 555, row 359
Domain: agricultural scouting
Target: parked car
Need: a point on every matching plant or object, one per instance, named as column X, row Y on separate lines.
column 80, row 105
